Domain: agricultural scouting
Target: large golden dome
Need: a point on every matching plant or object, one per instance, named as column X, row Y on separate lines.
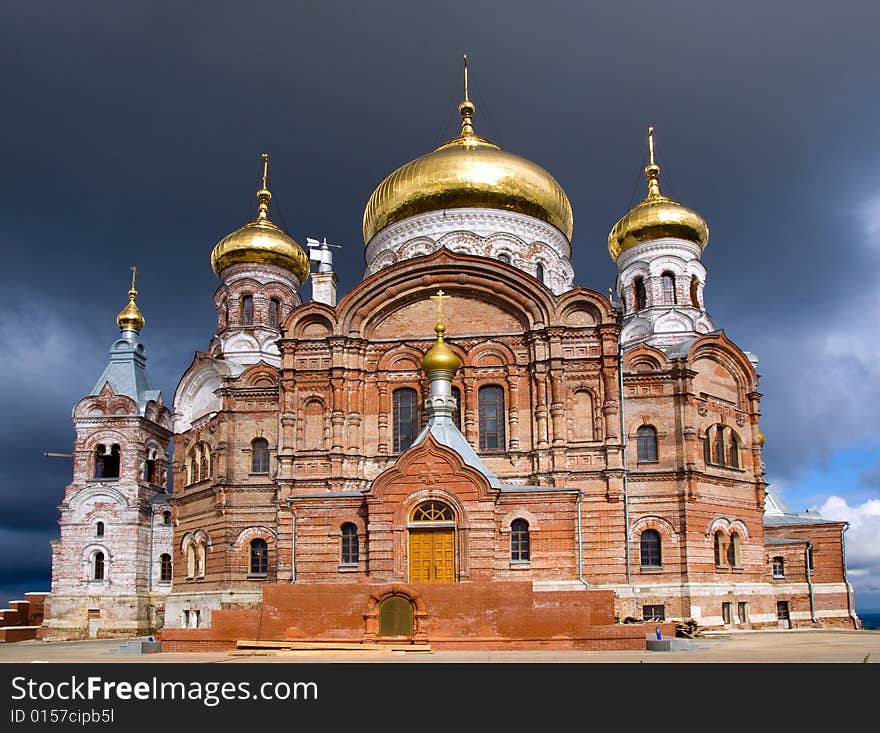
column 656, row 216
column 468, row 172
column 261, row 241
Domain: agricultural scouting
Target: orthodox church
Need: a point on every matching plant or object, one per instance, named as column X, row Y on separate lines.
column 465, row 449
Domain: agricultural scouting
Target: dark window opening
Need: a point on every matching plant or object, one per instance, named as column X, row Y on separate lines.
column 405, row 417
column 639, row 294
column 247, row 310
column 726, row 613
column 649, row 548
column 166, row 518
column 520, row 550
column 274, row 312
column 165, row 568
column 350, row 545
column 668, row 283
column 98, row 573
column 259, row 557
column 504, row 257
column 99, row 529
column 150, row 471
column 646, row 437
column 107, row 462
column 260, row 456
column 491, row 406
column 654, row 613
column 539, row 272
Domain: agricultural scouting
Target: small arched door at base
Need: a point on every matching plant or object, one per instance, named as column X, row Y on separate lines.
column 396, row 617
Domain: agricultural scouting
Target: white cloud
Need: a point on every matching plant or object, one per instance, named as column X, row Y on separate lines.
column 862, row 548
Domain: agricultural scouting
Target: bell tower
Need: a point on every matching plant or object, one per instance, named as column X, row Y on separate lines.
column 111, row 567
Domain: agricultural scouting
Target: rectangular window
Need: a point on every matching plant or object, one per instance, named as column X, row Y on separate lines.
column 782, row 610
column 726, row 613
column 778, row 567
column 186, row 619
column 654, row 613
column 742, row 612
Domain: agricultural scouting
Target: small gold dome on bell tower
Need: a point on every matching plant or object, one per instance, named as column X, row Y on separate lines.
column 131, row 317
column 440, row 357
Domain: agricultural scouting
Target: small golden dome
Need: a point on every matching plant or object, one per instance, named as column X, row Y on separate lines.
column 468, row 172
column 761, row 439
column 261, row 241
column 656, row 216
column 440, row 356
column 131, row 317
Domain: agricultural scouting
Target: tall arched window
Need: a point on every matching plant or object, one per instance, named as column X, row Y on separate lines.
column 201, row 559
column 649, row 548
column 405, row 408
column 260, row 455
column 720, row 548
column 99, row 529
column 164, row 568
column 722, row 446
column 259, row 557
column 639, row 294
column 520, row 550
column 274, row 312
column 247, row 310
column 539, row 272
column 491, row 407
column 734, row 550
column 98, row 566
column 350, row 548
column 107, row 461
column 456, row 413
column 646, row 438
column 667, row 280
column 695, row 285
column 150, row 470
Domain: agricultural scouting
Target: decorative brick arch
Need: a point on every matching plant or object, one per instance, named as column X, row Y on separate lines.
column 374, row 601
column 727, row 526
column 519, row 513
column 251, row 533
column 661, row 525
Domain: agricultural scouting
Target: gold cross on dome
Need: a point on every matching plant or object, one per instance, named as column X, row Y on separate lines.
column 440, row 297
column 133, row 273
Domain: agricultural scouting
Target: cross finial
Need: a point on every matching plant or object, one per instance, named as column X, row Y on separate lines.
column 133, row 274
column 466, row 108
column 652, row 170
column 466, row 98
column 263, row 195
column 651, row 144
column 440, row 297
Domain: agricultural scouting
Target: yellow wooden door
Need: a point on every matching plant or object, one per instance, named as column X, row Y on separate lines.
column 432, row 556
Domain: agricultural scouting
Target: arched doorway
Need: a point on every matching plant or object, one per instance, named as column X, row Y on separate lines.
column 432, row 543
column 396, row 617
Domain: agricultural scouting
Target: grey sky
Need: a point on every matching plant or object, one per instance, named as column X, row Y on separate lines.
column 131, row 134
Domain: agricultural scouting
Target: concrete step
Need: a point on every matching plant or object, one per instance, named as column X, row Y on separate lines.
column 138, row 647
column 9, row 634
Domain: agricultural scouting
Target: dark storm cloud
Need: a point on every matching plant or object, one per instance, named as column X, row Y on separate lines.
column 131, row 134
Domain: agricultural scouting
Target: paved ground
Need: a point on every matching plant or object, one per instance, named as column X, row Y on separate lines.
column 758, row 646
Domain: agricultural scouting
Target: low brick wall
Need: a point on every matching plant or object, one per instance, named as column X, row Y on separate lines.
column 484, row 615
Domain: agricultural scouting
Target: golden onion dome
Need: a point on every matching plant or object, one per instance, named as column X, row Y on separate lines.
column 131, row 317
column 468, row 172
column 656, row 216
column 440, row 356
column 261, row 241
